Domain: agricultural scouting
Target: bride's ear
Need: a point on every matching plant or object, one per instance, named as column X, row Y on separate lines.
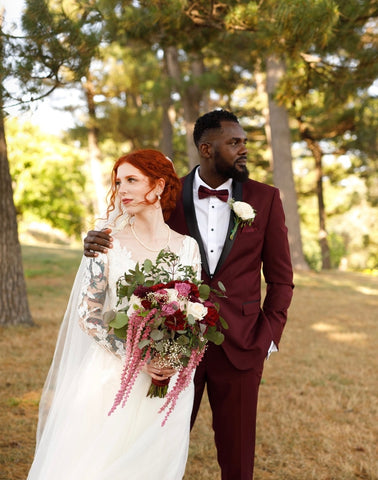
column 160, row 185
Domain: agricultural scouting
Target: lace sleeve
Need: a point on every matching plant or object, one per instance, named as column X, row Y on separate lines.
column 91, row 303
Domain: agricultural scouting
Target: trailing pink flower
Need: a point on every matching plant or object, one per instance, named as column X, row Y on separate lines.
column 138, row 330
column 183, row 380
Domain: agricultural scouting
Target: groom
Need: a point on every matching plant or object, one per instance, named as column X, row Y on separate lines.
column 232, row 371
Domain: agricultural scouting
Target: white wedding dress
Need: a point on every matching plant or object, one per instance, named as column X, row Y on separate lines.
column 77, row 439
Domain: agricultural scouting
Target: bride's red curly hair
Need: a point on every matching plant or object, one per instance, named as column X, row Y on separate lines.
column 154, row 165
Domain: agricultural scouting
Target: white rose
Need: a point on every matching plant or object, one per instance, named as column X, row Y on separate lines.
column 135, row 304
column 197, row 310
column 172, row 294
column 243, row 210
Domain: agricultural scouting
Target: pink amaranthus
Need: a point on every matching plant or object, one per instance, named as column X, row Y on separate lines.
column 138, row 330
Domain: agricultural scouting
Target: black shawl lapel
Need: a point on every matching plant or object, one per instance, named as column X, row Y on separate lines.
column 237, row 194
column 190, row 216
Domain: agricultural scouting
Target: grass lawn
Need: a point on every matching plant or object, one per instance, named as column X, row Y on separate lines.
column 318, row 407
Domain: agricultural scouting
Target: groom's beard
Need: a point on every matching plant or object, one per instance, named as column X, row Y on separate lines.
column 237, row 172
column 240, row 173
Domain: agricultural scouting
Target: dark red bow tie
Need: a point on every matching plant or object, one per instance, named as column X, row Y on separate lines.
column 204, row 192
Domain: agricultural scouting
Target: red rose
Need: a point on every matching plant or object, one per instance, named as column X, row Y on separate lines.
column 194, row 292
column 176, row 321
column 212, row 316
column 141, row 291
column 146, row 304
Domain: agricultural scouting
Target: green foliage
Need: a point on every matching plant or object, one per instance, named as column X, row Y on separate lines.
column 57, row 47
column 337, row 249
column 48, row 178
column 351, row 220
column 131, row 85
column 305, row 22
column 166, row 268
column 311, row 251
column 246, row 15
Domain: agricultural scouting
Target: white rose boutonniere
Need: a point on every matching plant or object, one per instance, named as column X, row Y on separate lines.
column 244, row 214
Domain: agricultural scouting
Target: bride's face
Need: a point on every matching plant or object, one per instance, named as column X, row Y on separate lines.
column 134, row 189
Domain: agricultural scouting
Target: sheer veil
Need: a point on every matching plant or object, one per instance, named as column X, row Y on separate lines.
column 72, row 343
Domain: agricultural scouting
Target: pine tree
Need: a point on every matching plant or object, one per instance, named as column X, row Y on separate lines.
column 14, row 307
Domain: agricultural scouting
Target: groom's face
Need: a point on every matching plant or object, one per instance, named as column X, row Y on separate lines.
column 230, row 152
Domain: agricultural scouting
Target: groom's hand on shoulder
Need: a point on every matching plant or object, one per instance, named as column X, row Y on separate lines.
column 97, row 241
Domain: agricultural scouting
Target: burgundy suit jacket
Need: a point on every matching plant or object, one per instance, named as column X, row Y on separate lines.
column 253, row 324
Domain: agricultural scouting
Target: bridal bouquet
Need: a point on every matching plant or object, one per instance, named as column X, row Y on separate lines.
column 169, row 318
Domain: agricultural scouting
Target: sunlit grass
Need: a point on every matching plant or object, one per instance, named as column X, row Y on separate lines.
column 318, row 399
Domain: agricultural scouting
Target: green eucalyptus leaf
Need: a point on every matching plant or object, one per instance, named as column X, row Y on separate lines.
column 120, row 320
column 182, row 340
column 120, row 332
column 122, row 290
column 130, row 290
column 159, row 346
column 184, row 361
column 109, row 316
column 139, row 278
column 214, row 336
column 147, row 265
column 219, row 338
column 156, row 335
column 143, row 343
column 223, row 323
column 204, row 291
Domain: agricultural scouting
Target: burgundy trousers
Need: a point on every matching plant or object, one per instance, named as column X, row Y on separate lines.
column 233, row 397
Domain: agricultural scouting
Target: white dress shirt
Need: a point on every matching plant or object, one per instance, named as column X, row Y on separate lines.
column 213, row 217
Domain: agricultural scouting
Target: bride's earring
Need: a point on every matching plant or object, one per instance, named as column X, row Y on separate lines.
column 158, row 196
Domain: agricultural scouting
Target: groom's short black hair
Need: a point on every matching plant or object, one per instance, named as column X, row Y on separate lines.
column 211, row 120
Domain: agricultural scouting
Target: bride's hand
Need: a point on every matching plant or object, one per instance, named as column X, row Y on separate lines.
column 158, row 373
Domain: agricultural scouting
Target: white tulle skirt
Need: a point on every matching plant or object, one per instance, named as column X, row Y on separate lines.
column 80, row 441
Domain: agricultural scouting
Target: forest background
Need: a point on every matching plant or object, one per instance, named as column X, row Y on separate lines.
column 300, row 75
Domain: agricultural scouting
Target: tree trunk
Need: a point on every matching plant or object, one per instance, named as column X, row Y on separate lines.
column 166, row 143
column 282, row 162
column 14, row 306
column 261, row 87
column 94, row 151
column 323, row 235
column 191, row 95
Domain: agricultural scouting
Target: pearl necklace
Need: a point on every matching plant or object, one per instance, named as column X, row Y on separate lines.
column 145, row 246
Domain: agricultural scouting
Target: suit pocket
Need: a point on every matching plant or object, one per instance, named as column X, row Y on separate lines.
column 249, row 228
column 258, row 334
column 250, row 308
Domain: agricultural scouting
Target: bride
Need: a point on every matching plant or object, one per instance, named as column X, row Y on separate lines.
column 76, row 438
